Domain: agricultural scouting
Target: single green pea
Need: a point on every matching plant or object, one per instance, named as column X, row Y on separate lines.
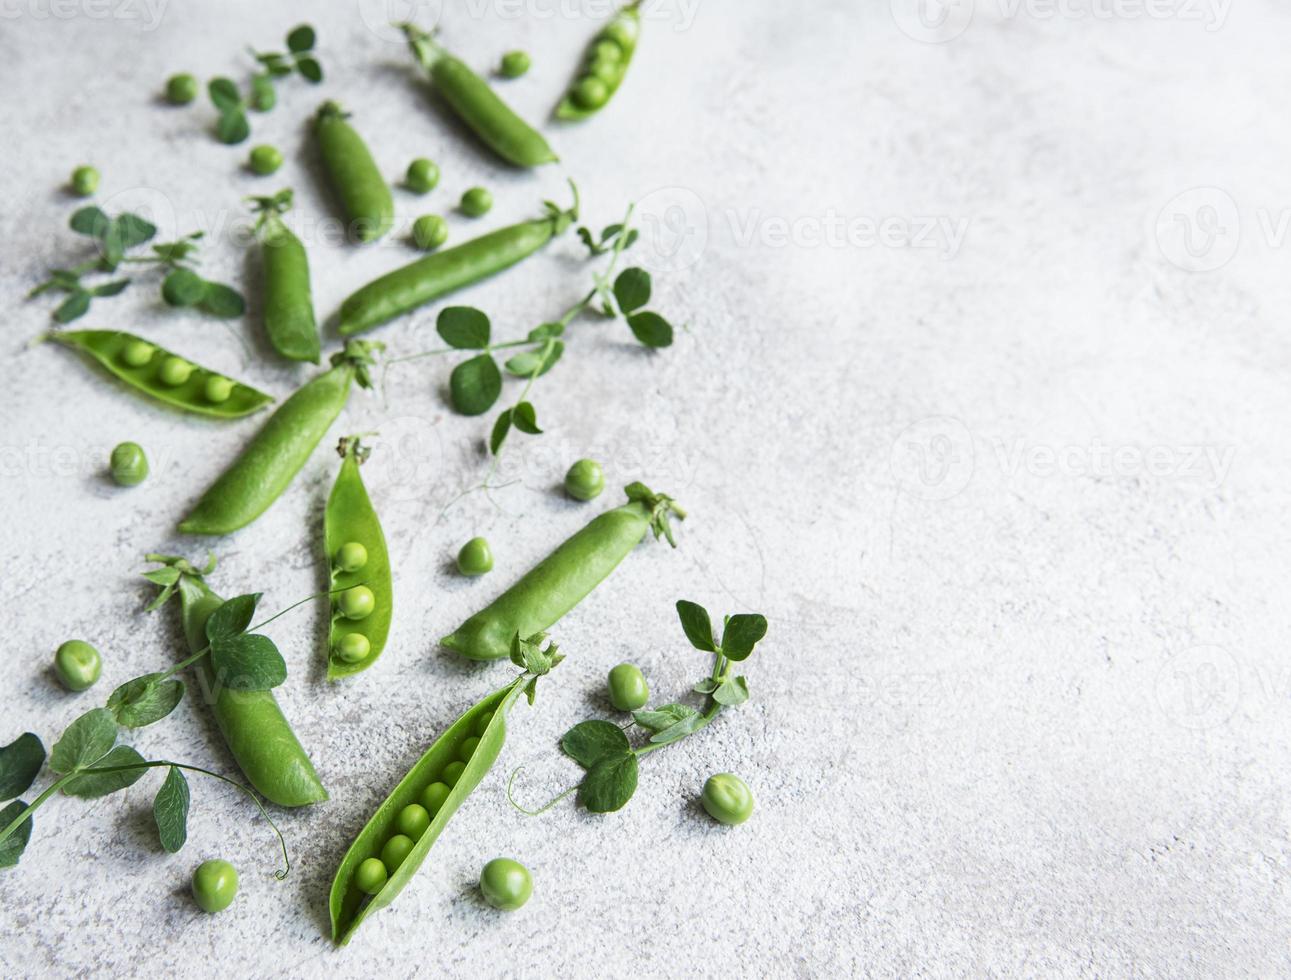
column 413, row 820
column 351, row 556
column 77, row 665
column 514, row 64
column 422, row 176
column 371, row 876
column 175, row 371
column 352, row 648
column 356, row 603
column 215, row 884
column 434, row 796
column 429, row 232
column 476, row 202
column 468, row 747
column 265, row 159
column 628, row 688
column 506, row 884
column 129, row 464
column 137, row 353
column 585, row 480
column 263, row 95
column 606, row 71
column 605, row 51
column 181, row 89
column 217, row 389
column 589, row 92
column 727, row 798
column 620, row 34
column 452, row 773
column 482, row 725
column 475, row 558
column 85, row 181
column 396, row 849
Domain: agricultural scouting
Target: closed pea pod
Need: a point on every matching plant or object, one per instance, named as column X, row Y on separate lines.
column 354, row 175
column 288, row 300
column 272, row 459
column 141, row 364
column 356, row 550
column 605, row 64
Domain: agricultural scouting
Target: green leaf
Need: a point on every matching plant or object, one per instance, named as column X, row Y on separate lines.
column 524, row 418
column 609, row 784
column 632, row 290
column 183, row 287
column 500, row 429
column 732, row 691
column 86, row 740
column 11, row 847
column 131, row 230
column 698, row 627
column 90, row 785
column 651, row 329
column 170, row 810
column 145, row 700
column 163, row 576
column 263, row 96
column 588, row 742
column 223, row 301
column 706, row 686
column 741, row 635
column 110, row 288
column 475, row 385
column 463, row 327
column 90, row 221
column 73, row 307
column 232, row 617
column 20, row 763
column 691, row 723
column 225, row 96
column 658, row 720
column 310, row 69
column 247, row 662
column 233, row 127
column 300, row 39
column 524, row 364
column 545, row 330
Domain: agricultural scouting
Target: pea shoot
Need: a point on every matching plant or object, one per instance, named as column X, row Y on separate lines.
column 299, row 58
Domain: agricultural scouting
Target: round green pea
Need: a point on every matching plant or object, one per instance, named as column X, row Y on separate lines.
column 482, row 725
column 371, row 876
column 137, row 353
column 476, row 202
column 265, row 159
column 422, row 176
column 606, row 71
column 605, row 51
column 506, row 884
column 351, row 556
column 175, row 371
column 85, row 181
column 77, row 665
column 429, row 232
column 468, row 747
column 452, row 773
column 585, row 480
column 215, row 884
column 129, row 464
column 413, row 820
column 352, row 647
column 217, row 389
column 475, row 558
column 356, row 603
column 396, row 849
column 589, row 92
column 514, row 64
column 727, row 798
column 628, row 688
column 181, row 89
column 434, row 796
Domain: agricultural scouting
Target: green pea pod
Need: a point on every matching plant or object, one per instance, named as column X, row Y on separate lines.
column 564, row 578
column 273, row 458
column 477, row 105
column 440, row 273
column 354, row 175
column 602, row 75
column 348, row 905
column 252, row 723
column 288, row 301
column 138, row 363
column 351, row 519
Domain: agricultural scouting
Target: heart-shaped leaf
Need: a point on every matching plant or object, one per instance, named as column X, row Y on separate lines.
column 475, row 385
column 463, row 327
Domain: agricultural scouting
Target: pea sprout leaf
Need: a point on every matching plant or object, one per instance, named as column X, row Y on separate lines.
column 525, row 418
column 170, row 810
column 609, row 783
column 546, row 330
column 247, row 662
column 741, row 634
column 131, row 230
column 310, row 69
column 110, row 288
column 11, row 847
column 706, row 686
column 232, row 127
column 475, row 385
column 300, row 39
column 145, row 700
column 500, row 429
column 90, row 221
column 183, row 287
column 263, row 96
column 224, row 94
column 731, row 692
column 463, row 327
column 523, row 364
column 632, row 289
column 670, row 722
column 90, row 784
column 74, row 307
column 588, row 742
column 20, row 763
column 86, row 740
column 698, row 627
column 232, row 617
column 221, row 300
column 651, row 329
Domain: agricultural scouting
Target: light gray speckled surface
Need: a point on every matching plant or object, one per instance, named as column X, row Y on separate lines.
column 1014, row 500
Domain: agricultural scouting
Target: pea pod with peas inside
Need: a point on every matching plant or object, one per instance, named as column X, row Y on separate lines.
column 272, row 459
column 356, row 550
column 353, row 174
column 288, row 302
column 157, row 373
column 604, row 66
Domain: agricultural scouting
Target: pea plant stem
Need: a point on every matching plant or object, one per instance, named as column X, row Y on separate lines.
column 53, row 788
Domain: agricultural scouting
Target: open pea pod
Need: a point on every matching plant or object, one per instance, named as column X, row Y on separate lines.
column 348, row 904
column 604, row 66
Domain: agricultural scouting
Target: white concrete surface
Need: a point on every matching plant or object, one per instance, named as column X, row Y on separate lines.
column 982, row 401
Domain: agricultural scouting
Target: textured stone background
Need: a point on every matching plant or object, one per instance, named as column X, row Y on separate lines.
column 982, row 401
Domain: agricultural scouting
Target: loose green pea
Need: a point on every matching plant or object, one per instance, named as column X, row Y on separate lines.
column 129, row 464
column 351, row 556
column 422, row 176
column 514, row 64
column 396, row 849
column 727, row 798
column 215, row 884
column 585, row 480
column 482, row 725
column 356, row 603
column 589, row 92
column 413, row 820
column 137, row 353
column 85, row 181
column 628, row 688
column 434, row 796
column 175, row 371
column 468, row 747
column 506, row 884
column 476, row 202
column 265, row 159
column 217, row 389
column 352, row 648
column 371, row 876
column 452, row 773
column 475, row 558
column 77, row 665
column 181, row 89
column 429, row 232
